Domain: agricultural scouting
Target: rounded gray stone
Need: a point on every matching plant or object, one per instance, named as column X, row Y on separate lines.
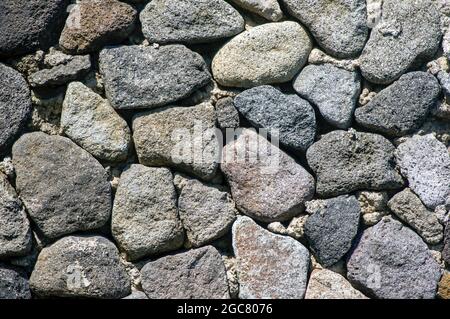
column 348, row 161
column 207, row 212
column 80, row 266
column 13, row 283
column 425, row 162
column 332, row 90
column 91, row 122
column 292, row 117
column 195, row 274
column 339, row 27
column 402, row 107
column 190, row 21
column 15, row 105
column 63, row 187
column 266, row 183
column 391, row 261
column 227, row 115
column 268, row 9
column 28, row 25
column 266, row 54
column 145, row 217
column 15, row 232
column 184, row 138
column 332, row 226
column 148, row 77
column 269, row 266
column 408, row 33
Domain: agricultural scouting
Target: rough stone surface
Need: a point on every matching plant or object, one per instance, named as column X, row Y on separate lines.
column 348, row 161
column 266, row 54
column 268, row 9
column 28, row 25
column 425, row 162
column 333, row 90
column 15, row 233
column 94, row 24
column 91, row 122
column 227, row 115
column 402, row 107
column 180, row 137
column 62, row 186
column 408, row 207
column 206, row 212
column 326, row 284
column 190, row 21
column 331, row 227
column 15, row 105
column 392, row 261
column 444, row 286
column 339, row 27
column 148, row 77
column 373, row 206
column 268, row 265
column 195, row 274
column 409, row 32
column 13, row 283
column 73, row 69
column 266, row 183
column 80, row 266
column 446, row 250
column 292, row 117
column 145, row 216
column 136, row 295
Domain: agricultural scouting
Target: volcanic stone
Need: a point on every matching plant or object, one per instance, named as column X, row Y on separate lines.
column 13, row 283
column 291, row 117
column 195, row 274
column 62, row 186
column 268, row 265
column 269, row 9
column 145, row 216
column 227, row 115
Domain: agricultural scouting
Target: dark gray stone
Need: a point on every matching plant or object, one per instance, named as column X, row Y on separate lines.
column 195, row 274
column 62, row 186
column 80, row 266
column 338, row 26
column 28, row 25
column 402, row 107
column 148, row 77
column 446, row 251
column 268, row 108
column 333, row 90
column 391, row 261
column 348, row 161
column 15, row 233
column 15, row 105
column 409, row 32
column 227, row 115
column 190, row 21
column 13, row 283
column 332, row 227
column 145, row 217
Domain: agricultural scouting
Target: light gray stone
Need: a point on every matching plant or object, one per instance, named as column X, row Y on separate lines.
column 408, row 207
column 268, row 9
column 333, row 90
column 190, row 21
column 181, row 137
column 373, row 206
column 80, row 266
column 425, row 162
column 195, row 274
column 266, row 54
column 348, row 161
column 91, row 122
column 63, row 187
column 145, row 217
column 391, row 261
column 339, row 27
column 291, row 118
column 148, row 77
column 266, row 183
column 409, row 32
column 269, row 266
column 402, row 107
